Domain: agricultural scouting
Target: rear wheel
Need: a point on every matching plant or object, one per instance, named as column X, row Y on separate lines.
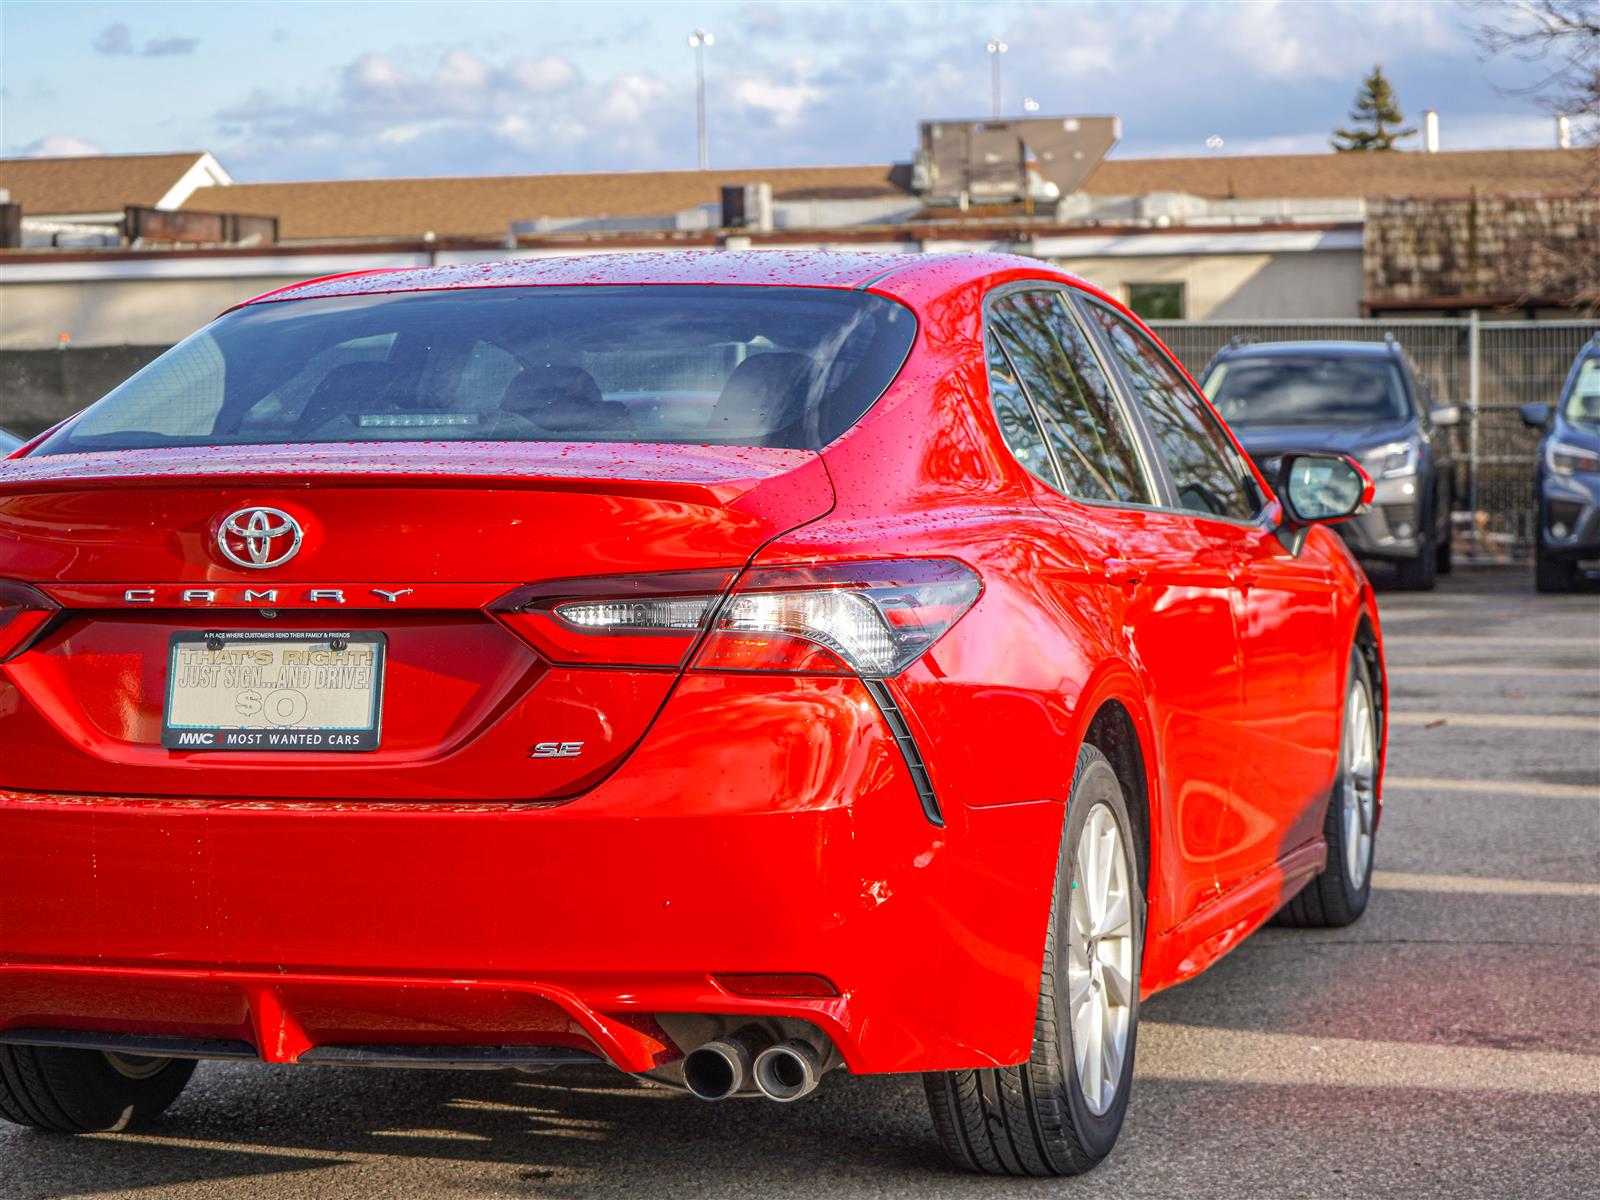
column 1339, row 894
column 81, row 1091
column 1060, row 1112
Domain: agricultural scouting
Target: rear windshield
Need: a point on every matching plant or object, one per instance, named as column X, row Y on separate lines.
column 1304, row 390
column 743, row 366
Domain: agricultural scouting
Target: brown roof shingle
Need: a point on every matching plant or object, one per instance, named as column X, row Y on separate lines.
column 486, row 205
column 97, row 184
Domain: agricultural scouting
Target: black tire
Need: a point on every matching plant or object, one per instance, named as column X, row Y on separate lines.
column 1034, row 1119
column 1419, row 574
column 1332, row 899
column 1443, row 559
column 83, row 1091
column 1553, row 575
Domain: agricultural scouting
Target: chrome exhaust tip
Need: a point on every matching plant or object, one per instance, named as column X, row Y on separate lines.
column 721, row 1068
column 788, row 1070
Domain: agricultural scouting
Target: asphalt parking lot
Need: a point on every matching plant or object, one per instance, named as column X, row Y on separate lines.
column 1447, row 1044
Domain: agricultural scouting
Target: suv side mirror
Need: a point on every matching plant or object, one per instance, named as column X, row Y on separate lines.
column 1446, row 416
column 1535, row 416
column 1319, row 489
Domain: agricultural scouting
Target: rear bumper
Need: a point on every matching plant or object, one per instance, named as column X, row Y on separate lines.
column 783, row 847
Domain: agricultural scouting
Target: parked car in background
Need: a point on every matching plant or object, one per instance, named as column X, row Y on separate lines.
column 730, row 667
column 1567, row 545
column 8, row 442
column 1365, row 399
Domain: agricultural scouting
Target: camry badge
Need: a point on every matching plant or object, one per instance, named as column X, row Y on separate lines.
column 259, row 538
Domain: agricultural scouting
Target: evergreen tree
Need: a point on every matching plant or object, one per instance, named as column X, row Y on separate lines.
column 1376, row 115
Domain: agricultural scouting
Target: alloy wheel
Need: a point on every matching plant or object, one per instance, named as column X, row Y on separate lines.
column 1100, row 982
column 1360, row 753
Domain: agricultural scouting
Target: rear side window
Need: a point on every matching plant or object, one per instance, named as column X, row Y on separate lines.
column 1017, row 423
column 744, row 366
column 1209, row 475
column 1093, row 445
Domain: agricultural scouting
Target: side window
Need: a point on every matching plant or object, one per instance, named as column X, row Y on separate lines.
column 1208, row 473
column 1017, row 424
column 1092, row 441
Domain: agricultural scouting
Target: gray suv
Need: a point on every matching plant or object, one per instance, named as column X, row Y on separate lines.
column 1365, row 399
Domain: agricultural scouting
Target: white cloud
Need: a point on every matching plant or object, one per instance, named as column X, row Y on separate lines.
column 59, row 145
column 542, row 76
column 115, row 38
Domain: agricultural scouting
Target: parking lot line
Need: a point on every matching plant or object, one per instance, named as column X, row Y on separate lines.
column 1530, row 670
column 1493, row 787
column 1235, row 1056
column 1449, row 639
column 1428, row 720
column 1409, row 882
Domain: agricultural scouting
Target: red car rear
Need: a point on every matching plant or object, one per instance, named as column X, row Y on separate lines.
column 727, row 667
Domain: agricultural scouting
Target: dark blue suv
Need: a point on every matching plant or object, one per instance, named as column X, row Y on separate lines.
column 1568, row 475
column 1365, row 399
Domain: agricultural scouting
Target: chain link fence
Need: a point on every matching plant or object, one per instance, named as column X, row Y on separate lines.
column 1488, row 368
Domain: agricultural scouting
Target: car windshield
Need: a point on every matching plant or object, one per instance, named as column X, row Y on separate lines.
column 1583, row 401
column 1305, row 389
column 747, row 366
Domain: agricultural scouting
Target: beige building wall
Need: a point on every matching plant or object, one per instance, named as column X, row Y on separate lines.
column 151, row 310
column 119, row 312
column 1223, row 287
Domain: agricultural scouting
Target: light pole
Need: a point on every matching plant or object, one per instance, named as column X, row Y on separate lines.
column 700, row 39
column 996, row 48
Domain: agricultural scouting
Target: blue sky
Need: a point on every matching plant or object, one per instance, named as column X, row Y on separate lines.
column 308, row 90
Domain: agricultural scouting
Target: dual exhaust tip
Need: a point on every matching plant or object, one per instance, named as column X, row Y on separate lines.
column 783, row 1071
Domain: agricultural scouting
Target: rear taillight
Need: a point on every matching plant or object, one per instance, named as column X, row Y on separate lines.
column 865, row 618
column 23, row 613
column 647, row 621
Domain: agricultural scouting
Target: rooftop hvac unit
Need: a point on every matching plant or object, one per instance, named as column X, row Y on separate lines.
column 747, row 206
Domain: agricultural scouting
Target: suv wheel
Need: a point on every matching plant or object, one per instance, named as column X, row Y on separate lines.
column 1060, row 1112
column 82, row 1091
column 1419, row 574
column 1551, row 574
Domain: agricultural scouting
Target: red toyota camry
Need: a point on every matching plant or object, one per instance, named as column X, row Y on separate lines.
column 728, row 667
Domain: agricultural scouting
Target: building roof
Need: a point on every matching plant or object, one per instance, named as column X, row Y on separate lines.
column 98, row 183
column 1294, row 176
column 485, row 205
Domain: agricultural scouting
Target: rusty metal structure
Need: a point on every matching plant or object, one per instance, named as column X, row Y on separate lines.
column 1025, row 160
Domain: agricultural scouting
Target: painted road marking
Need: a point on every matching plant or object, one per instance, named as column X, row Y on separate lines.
column 1444, row 720
column 1212, row 1055
column 1406, row 882
column 1493, row 787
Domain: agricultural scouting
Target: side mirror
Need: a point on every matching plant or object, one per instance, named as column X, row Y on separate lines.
column 1535, row 416
column 1447, row 416
column 1319, row 489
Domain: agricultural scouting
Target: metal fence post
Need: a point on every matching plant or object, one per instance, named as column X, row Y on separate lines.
column 1473, row 376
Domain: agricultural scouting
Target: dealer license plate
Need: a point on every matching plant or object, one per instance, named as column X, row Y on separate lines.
column 274, row 691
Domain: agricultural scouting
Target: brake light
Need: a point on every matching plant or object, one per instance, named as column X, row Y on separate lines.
column 866, row 618
column 870, row 618
column 644, row 621
column 23, row 613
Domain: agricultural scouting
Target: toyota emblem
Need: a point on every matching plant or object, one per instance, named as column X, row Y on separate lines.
column 259, row 538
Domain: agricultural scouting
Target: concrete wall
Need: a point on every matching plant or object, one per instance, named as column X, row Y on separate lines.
column 119, row 312
column 40, row 387
column 1235, row 287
